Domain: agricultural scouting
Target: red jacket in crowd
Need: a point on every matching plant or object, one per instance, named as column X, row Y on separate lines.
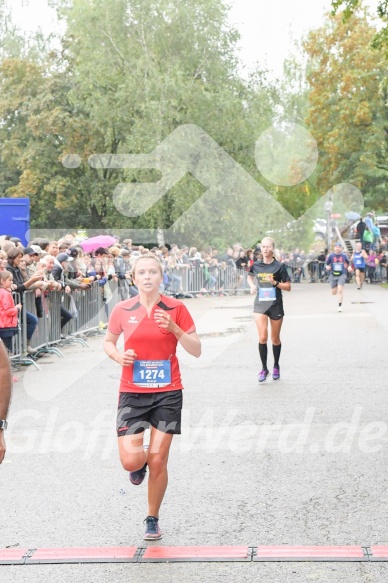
column 8, row 310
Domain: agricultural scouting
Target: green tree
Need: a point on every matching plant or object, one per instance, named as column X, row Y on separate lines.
column 11, row 40
column 127, row 74
column 346, row 8
column 140, row 70
column 37, row 122
column 346, row 113
column 293, row 99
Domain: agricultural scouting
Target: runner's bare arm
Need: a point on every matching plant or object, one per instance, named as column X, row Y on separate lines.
column 110, row 347
column 5, row 393
column 284, row 285
column 252, row 286
column 190, row 342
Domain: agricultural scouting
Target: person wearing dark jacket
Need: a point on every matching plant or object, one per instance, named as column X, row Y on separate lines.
column 59, row 274
column 361, row 226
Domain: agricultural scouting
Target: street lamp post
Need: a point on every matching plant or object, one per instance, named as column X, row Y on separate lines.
column 328, row 208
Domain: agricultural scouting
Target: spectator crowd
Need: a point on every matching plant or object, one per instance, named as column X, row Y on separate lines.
column 63, row 266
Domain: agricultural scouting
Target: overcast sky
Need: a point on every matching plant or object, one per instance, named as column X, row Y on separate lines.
column 267, row 28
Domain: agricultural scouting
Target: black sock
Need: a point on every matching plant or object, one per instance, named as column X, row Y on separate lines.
column 276, row 354
column 340, row 303
column 263, row 350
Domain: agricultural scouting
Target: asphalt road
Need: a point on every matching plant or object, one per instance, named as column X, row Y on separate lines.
column 299, row 461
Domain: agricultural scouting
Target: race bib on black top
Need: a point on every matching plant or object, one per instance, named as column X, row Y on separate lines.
column 267, row 294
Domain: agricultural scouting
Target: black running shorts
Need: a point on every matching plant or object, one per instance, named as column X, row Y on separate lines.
column 274, row 312
column 137, row 411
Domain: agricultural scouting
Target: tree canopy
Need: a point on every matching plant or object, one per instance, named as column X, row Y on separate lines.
column 347, row 114
column 125, row 74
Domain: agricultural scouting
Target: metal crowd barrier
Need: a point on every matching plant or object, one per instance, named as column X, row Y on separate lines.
column 16, row 342
column 48, row 333
column 197, row 280
column 91, row 308
column 19, row 353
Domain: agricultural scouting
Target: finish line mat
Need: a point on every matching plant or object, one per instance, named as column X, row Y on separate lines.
column 162, row 554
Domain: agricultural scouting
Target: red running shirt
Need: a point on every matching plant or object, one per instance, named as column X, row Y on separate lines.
column 143, row 335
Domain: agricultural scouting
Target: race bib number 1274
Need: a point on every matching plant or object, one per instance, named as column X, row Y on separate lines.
column 152, row 373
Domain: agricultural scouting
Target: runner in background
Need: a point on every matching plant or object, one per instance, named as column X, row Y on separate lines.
column 267, row 278
column 151, row 386
column 358, row 259
column 337, row 264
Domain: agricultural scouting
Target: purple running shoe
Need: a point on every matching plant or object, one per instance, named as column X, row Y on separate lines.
column 263, row 375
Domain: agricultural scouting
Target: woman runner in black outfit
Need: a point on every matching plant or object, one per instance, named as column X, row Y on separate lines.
column 268, row 278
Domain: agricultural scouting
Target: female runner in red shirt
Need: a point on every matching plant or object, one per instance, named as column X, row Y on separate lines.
column 151, row 387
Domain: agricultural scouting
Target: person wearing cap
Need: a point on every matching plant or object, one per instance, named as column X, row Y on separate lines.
column 337, row 264
column 58, row 273
column 17, row 241
column 32, row 255
column 59, row 264
column 37, row 249
column 29, row 251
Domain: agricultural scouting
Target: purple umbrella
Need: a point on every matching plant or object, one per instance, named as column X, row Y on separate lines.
column 93, row 243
